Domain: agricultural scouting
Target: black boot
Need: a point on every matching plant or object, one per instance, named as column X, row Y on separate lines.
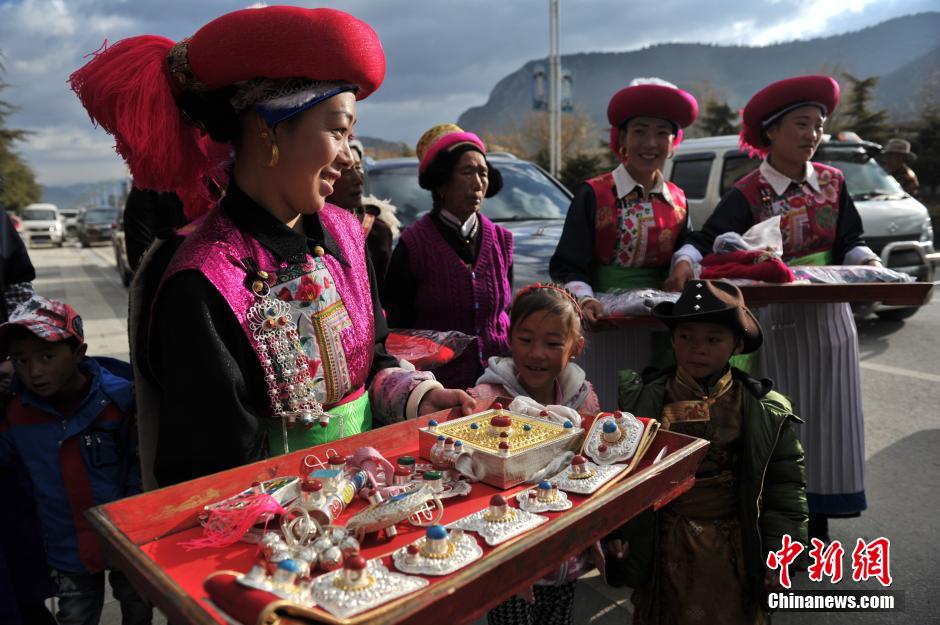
column 819, row 527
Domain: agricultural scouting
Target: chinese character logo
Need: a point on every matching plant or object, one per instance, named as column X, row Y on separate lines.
column 872, row 559
column 782, row 559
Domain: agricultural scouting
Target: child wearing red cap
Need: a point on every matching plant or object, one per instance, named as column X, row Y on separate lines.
column 812, row 349
column 70, row 422
column 700, row 559
column 623, row 227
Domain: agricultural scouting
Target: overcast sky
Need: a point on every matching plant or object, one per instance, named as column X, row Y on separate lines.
column 443, row 55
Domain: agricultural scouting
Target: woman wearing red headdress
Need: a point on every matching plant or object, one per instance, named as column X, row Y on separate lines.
column 811, row 350
column 266, row 330
column 623, row 227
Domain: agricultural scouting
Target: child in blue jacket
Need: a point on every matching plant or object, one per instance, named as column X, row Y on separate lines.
column 70, row 422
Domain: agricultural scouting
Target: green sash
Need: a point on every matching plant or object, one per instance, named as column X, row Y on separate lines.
column 357, row 415
column 611, row 277
column 819, row 258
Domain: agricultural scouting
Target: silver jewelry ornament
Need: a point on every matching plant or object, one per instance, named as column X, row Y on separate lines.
column 336, row 595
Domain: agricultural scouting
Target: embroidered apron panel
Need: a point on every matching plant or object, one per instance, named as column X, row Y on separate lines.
column 321, row 319
column 807, row 218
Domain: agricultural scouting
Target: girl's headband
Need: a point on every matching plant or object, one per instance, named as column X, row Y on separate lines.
column 554, row 287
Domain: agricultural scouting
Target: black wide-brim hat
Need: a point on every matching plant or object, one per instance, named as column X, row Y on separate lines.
column 713, row 301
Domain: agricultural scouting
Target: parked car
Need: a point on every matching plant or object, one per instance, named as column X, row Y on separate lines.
column 95, row 224
column 42, row 224
column 70, row 222
column 897, row 226
column 120, row 250
column 532, row 205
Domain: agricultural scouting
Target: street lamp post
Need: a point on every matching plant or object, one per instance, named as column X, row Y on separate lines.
column 554, row 89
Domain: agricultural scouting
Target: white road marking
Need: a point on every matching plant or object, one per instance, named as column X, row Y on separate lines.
column 908, row 373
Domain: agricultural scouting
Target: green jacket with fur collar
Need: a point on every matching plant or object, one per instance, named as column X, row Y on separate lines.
column 770, row 477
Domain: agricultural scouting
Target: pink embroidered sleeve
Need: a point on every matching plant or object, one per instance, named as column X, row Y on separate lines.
column 482, row 391
column 591, row 404
column 390, row 390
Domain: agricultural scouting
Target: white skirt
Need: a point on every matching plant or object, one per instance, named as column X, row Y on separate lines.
column 810, row 352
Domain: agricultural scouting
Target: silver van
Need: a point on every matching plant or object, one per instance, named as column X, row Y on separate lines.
column 897, row 226
column 42, row 224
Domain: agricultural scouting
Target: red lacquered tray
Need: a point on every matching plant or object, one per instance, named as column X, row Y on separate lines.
column 757, row 295
column 142, row 535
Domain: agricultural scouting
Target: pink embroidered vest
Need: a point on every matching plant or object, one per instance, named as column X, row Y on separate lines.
column 633, row 232
column 807, row 217
column 330, row 302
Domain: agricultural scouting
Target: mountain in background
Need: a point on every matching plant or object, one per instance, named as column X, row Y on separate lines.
column 80, row 194
column 904, row 52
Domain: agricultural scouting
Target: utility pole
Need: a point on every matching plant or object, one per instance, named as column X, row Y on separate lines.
column 554, row 89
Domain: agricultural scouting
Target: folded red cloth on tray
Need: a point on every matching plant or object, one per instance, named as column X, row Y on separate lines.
column 243, row 604
column 746, row 264
column 426, row 349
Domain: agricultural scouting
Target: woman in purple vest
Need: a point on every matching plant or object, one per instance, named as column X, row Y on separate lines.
column 452, row 269
column 266, row 331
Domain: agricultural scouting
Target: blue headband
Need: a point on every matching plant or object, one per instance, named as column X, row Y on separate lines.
column 275, row 111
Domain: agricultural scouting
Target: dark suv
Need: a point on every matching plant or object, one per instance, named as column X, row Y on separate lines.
column 94, row 225
column 531, row 204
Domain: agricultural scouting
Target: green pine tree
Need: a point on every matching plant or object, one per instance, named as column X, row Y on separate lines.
column 718, row 119
column 859, row 117
column 18, row 186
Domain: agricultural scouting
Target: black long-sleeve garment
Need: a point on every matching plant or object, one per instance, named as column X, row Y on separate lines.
column 148, row 215
column 214, row 394
column 16, row 267
column 733, row 214
column 574, row 259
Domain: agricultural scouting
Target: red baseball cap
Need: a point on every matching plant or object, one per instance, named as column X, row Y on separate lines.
column 50, row 320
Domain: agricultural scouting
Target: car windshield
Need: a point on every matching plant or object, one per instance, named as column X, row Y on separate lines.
column 100, row 216
column 864, row 177
column 39, row 214
column 526, row 194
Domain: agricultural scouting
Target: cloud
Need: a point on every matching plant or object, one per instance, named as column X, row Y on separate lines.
column 443, row 57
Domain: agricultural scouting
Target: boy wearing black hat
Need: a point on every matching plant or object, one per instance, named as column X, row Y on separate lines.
column 70, row 421
column 750, row 489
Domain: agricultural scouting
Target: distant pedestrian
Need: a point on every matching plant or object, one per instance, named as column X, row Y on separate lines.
column 147, row 216
column 379, row 223
column 897, row 155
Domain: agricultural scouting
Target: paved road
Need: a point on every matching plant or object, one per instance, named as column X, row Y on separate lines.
column 901, row 393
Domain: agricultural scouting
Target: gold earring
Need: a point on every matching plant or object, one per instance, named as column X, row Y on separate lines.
column 274, row 156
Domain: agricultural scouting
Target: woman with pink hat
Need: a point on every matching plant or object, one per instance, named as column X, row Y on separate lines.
column 623, row 227
column 452, row 269
column 266, row 332
column 811, row 350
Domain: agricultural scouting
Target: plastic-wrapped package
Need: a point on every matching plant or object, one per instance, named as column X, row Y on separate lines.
column 762, row 236
column 559, row 414
column 848, row 274
column 633, row 302
column 427, row 349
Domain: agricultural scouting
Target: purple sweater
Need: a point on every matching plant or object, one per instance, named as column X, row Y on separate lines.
column 452, row 297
